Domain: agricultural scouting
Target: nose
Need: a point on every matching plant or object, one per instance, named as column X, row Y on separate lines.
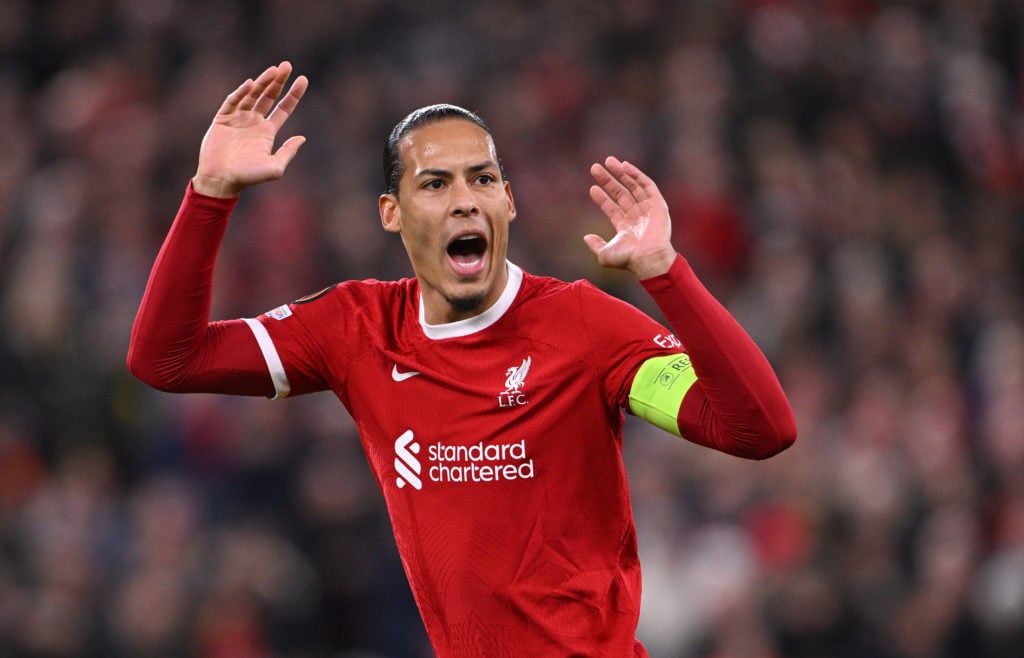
column 463, row 201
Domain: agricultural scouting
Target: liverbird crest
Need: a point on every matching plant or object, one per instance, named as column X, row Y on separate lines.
column 515, row 376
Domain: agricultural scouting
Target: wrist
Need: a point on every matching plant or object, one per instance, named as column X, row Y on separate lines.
column 654, row 265
column 215, row 187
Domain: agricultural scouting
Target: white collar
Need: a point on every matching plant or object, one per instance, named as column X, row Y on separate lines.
column 477, row 322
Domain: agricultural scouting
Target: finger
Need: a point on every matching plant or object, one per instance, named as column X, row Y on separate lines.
column 640, row 184
column 607, row 204
column 631, row 178
column 613, row 164
column 259, row 86
column 288, row 104
column 615, row 167
column 230, row 103
column 618, row 218
column 612, row 186
column 266, row 101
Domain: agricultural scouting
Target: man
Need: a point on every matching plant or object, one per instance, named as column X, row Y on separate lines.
column 489, row 401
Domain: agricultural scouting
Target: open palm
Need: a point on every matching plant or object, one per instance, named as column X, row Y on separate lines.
column 238, row 149
column 637, row 210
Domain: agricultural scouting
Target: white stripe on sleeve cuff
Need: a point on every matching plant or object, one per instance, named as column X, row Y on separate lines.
column 277, row 375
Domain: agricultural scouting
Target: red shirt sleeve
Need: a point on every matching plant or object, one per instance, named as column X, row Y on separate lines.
column 174, row 346
column 621, row 338
column 737, row 404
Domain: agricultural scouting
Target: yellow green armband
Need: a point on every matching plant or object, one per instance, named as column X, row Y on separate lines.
column 658, row 390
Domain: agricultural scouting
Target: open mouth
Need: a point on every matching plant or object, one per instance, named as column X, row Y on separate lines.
column 466, row 254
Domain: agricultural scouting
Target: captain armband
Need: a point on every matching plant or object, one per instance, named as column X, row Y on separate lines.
column 658, row 390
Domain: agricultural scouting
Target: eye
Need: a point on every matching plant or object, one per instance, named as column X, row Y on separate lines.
column 485, row 179
column 433, row 184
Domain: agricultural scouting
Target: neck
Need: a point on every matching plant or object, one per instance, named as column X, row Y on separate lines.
column 441, row 318
column 439, row 308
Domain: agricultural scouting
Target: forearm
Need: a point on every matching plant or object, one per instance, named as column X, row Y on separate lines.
column 737, row 404
column 174, row 346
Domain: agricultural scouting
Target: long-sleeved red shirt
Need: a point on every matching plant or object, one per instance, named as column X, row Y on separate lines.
column 496, row 441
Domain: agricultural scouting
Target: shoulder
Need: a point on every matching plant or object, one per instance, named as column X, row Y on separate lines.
column 579, row 292
column 573, row 303
column 537, row 287
column 361, row 290
column 583, row 306
column 347, row 300
column 366, row 289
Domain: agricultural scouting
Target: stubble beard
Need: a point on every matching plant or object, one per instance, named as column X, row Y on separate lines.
column 466, row 304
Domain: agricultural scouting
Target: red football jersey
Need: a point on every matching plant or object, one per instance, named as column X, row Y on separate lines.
column 496, row 440
column 497, row 444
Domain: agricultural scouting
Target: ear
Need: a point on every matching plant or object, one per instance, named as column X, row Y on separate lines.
column 511, row 202
column 390, row 213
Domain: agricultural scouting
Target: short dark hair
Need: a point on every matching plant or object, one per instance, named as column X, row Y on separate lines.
column 393, row 168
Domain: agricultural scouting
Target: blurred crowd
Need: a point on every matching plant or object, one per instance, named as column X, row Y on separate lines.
column 845, row 175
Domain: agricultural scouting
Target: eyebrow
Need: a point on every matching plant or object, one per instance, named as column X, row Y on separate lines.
column 444, row 173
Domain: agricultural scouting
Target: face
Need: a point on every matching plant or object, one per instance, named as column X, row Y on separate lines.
column 452, row 211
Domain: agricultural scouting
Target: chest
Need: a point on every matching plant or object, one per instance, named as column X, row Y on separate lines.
column 462, row 404
column 505, row 380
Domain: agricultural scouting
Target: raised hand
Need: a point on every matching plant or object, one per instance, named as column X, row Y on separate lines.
column 637, row 210
column 238, row 149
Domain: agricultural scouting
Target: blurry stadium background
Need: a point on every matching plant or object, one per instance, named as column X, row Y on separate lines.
column 845, row 175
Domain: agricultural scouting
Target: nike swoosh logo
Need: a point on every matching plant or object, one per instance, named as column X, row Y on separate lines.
column 402, row 376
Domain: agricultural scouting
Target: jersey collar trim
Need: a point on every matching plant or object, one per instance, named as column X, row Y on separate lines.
column 477, row 322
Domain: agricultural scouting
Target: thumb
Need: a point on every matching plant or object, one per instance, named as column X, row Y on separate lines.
column 289, row 149
column 595, row 242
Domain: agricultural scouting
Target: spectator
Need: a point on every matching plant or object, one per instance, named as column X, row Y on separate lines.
column 852, row 169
